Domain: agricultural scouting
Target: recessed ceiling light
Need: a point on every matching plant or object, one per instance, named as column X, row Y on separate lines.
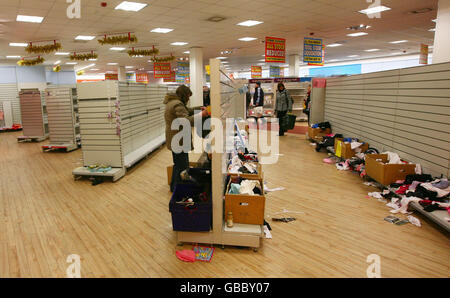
column 398, row 41
column 249, row 23
column 435, row 20
column 12, row 57
column 94, row 69
column 117, row 49
column 247, row 38
column 179, row 43
column 432, row 30
column 130, row 6
column 357, row 34
column 112, row 63
column 161, row 30
column 353, row 56
column 71, row 63
column 93, row 59
column 372, row 50
column 62, row 54
column 333, row 45
column 84, row 37
column 29, row 19
column 187, row 52
column 129, row 66
column 333, row 60
column 375, row 9
column 17, row 44
column 221, row 58
column 57, row 62
column 225, row 62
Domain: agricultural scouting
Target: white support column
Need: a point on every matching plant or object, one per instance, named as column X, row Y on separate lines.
column 441, row 50
column 196, row 71
column 294, row 65
column 122, row 74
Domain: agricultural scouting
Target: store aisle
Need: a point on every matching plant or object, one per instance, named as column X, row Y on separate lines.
column 124, row 229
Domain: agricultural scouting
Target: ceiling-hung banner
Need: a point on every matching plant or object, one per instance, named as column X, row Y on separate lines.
column 423, row 54
column 182, row 72
column 256, row 72
column 142, row 78
column 323, row 59
column 111, row 77
column 131, row 77
column 312, row 50
column 162, row 70
column 275, row 50
column 275, row 71
column 170, row 79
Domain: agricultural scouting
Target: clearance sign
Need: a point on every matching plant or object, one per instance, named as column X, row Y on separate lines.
column 313, row 50
column 256, row 72
column 162, row 70
column 275, row 50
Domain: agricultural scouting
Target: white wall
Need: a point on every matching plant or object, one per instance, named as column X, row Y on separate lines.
column 441, row 38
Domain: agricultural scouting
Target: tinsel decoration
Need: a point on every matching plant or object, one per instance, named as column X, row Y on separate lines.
column 38, row 60
column 83, row 57
column 163, row 59
column 57, row 68
column 80, row 72
column 136, row 53
column 45, row 49
column 118, row 39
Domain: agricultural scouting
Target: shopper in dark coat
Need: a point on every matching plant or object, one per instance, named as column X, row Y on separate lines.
column 206, row 96
column 258, row 97
column 283, row 106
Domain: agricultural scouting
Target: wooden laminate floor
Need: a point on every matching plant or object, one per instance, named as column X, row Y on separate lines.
column 124, row 229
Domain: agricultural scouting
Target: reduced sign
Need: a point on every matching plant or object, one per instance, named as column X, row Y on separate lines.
column 275, row 50
column 162, row 70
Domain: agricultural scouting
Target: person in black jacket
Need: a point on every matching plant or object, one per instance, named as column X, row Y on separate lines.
column 258, row 97
column 206, row 96
column 248, row 97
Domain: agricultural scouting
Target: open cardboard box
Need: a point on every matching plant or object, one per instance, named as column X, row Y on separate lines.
column 378, row 169
column 317, row 134
column 257, row 176
column 346, row 151
column 246, row 209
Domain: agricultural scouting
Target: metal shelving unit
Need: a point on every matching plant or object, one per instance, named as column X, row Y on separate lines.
column 34, row 115
column 62, row 108
column 120, row 124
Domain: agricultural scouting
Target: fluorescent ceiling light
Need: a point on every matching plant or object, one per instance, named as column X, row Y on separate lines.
column 353, row 56
column 57, row 62
column 94, row 69
column 225, row 62
column 249, row 23
column 129, row 66
column 162, row 30
column 179, row 43
column 262, row 60
column 375, row 9
column 398, row 41
column 117, row 49
column 12, row 57
column 432, row 30
column 84, row 37
column 29, row 19
column 357, row 34
column 221, row 58
column 88, row 66
column 130, row 6
column 372, row 50
column 17, row 44
column 187, row 52
column 62, row 54
column 247, row 38
column 71, row 63
column 333, row 60
column 435, row 20
column 333, row 45
column 112, row 63
column 93, row 59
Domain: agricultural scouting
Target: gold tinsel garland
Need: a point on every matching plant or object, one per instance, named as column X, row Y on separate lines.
column 133, row 52
column 38, row 60
column 83, row 57
column 163, row 59
column 80, row 72
column 57, row 68
column 120, row 39
column 45, row 49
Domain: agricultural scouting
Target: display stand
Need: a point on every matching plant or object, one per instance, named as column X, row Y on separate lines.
column 62, row 108
column 120, row 123
column 225, row 97
column 10, row 107
column 34, row 115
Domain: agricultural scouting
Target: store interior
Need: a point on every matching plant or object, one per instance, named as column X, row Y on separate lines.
column 320, row 144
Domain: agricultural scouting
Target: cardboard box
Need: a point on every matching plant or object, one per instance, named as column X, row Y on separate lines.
column 258, row 176
column 316, row 134
column 345, row 151
column 386, row 174
column 246, row 209
column 170, row 171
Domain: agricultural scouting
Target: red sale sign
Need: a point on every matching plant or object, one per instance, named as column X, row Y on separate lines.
column 275, row 50
column 142, row 78
column 256, row 72
column 162, row 70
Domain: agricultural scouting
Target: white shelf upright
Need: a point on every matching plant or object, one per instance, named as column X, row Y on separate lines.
column 120, row 123
column 34, row 115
